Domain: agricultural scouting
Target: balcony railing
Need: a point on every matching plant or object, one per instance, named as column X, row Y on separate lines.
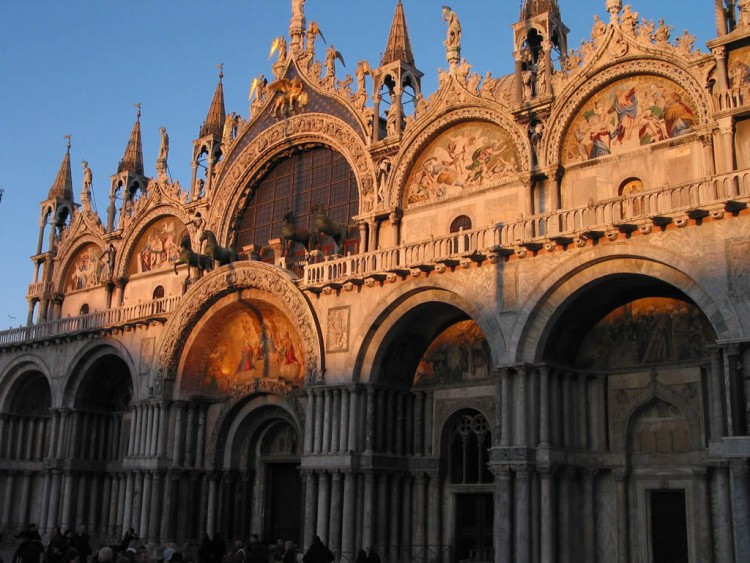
column 39, row 289
column 649, row 207
column 733, row 98
column 104, row 319
column 656, row 207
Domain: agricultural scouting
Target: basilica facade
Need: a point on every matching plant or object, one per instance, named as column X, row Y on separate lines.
column 507, row 320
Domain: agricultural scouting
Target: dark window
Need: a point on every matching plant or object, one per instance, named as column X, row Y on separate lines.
column 84, row 309
column 469, row 443
column 669, row 526
column 158, row 292
column 318, row 175
column 460, row 222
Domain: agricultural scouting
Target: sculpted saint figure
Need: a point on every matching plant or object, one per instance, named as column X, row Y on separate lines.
column 453, row 38
column 599, row 28
column 744, row 13
column 164, row 147
column 298, row 8
column 87, row 176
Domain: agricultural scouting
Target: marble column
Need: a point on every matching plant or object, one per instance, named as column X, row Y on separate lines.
column 190, row 436
column 347, row 532
column 148, row 430
column 44, row 509
column 163, row 429
column 420, row 518
column 703, row 522
column 7, row 506
column 502, row 525
column 166, row 532
column 548, row 516
column 309, row 421
column 319, row 406
column 354, row 420
column 370, row 421
column 334, row 540
column 54, row 499
column 327, row 408
column 324, row 499
column 589, row 515
column 394, row 515
column 335, row 419
column 382, row 515
column 127, row 517
column 367, row 518
column 179, row 431
column 344, row 424
column 435, row 516
column 505, row 429
column 406, row 517
column 155, row 513
column 311, row 498
column 623, row 538
column 522, row 537
column 67, row 507
column 740, row 489
column 110, row 503
column 544, row 440
column 200, row 443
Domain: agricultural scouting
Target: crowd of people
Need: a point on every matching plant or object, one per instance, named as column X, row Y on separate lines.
column 75, row 547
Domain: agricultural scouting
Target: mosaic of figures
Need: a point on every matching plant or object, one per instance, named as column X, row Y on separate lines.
column 459, row 353
column 256, row 342
column 627, row 115
column 739, row 68
column 646, row 331
column 88, row 269
column 467, row 157
column 159, row 246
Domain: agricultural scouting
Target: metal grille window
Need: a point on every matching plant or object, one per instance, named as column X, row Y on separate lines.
column 470, row 441
column 298, row 182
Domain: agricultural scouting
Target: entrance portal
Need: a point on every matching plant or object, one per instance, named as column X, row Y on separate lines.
column 474, row 517
column 283, row 516
column 668, row 527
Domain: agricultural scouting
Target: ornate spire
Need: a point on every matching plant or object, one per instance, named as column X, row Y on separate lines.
column 399, row 46
column 214, row 123
column 62, row 188
column 132, row 160
column 532, row 8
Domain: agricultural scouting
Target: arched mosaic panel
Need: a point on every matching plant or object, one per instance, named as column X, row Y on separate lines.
column 459, row 353
column 158, row 247
column 86, row 269
column 254, row 341
column 627, row 115
column 645, row 332
column 465, row 158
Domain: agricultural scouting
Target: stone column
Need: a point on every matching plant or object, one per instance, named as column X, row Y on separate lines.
column 178, row 436
column 54, row 498
column 726, row 129
column 623, row 538
column 324, row 499
column 164, row 429
column 211, row 526
column 406, row 518
column 420, row 518
column 389, row 399
column 190, row 436
column 589, row 515
column 370, row 418
column 381, row 513
column 740, row 506
column 723, row 529
column 703, row 523
column 138, row 515
column 368, row 509
column 343, row 441
column 127, row 517
column 311, row 497
column 435, row 515
column 505, row 429
column 6, row 517
column 110, row 503
column 335, row 419
column 718, row 422
column 394, row 514
column 63, row 428
column 309, row 421
column 548, row 516
column 155, row 514
column 720, row 55
column 354, row 418
column 149, row 429
column 502, row 525
column 44, row 509
column 544, row 426
column 166, row 532
column 347, row 532
column 67, row 508
column 334, row 542
column 81, row 484
column 327, row 408
column 200, row 444
column 319, row 400
column 522, row 538
column 419, row 423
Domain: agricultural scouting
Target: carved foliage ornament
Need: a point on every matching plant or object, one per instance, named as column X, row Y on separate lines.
column 222, row 282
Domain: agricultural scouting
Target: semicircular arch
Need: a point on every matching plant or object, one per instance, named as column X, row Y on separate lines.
column 16, row 371
column 577, row 94
column 60, row 274
column 137, row 229
column 232, row 190
column 213, row 287
column 558, row 289
column 416, row 142
column 376, row 331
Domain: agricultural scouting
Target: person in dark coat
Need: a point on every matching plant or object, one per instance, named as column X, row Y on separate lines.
column 317, row 552
column 80, row 541
column 29, row 550
column 129, row 536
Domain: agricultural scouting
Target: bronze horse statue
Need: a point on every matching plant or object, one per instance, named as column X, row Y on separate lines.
column 290, row 234
column 324, row 224
column 221, row 254
column 192, row 259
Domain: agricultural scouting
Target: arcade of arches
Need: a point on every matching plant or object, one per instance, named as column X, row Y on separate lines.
column 506, row 323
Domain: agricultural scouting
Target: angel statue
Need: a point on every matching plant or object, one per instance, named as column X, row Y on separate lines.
column 278, row 45
column 453, row 38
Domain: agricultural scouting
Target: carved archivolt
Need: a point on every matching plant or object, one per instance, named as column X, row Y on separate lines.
column 417, row 143
column 578, row 93
column 69, row 254
column 134, row 231
column 231, row 192
column 232, row 279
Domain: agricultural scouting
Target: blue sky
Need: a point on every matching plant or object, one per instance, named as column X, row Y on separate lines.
column 78, row 66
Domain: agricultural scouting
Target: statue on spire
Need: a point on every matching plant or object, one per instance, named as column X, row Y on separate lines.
column 298, row 8
column 161, row 161
column 452, row 38
column 87, row 180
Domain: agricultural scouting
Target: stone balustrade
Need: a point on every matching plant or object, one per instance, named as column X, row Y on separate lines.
column 118, row 316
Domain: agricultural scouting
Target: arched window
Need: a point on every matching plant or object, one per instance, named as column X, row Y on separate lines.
column 317, row 175
column 629, row 190
column 158, row 292
column 460, row 223
column 470, row 440
column 84, row 309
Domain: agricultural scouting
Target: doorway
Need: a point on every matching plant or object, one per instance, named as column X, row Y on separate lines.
column 474, row 517
column 668, row 526
column 283, row 516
